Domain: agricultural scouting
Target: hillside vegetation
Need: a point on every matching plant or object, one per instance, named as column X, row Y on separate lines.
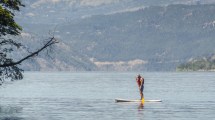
column 198, row 64
column 161, row 36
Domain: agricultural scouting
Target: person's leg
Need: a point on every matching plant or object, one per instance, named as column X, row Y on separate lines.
column 142, row 96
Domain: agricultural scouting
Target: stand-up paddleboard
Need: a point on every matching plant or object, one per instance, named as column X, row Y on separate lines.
column 124, row 100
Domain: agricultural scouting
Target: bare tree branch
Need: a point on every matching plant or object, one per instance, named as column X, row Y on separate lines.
column 47, row 44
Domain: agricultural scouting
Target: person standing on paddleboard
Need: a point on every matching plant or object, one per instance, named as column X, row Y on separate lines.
column 140, row 83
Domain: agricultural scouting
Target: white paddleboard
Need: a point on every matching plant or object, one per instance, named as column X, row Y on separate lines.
column 124, row 100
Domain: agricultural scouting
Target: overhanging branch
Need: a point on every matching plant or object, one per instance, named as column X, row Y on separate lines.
column 47, row 44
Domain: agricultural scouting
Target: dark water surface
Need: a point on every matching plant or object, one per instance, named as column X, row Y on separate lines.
column 90, row 96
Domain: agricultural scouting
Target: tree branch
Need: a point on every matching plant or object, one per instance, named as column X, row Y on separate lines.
column 49, row 43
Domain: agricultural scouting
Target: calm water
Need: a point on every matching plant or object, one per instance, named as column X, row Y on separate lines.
column 90, row 96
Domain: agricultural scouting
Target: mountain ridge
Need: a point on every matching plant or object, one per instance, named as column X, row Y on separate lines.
column 161, row 36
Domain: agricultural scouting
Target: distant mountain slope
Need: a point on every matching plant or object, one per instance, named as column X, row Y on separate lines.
column 58, row 58
column 61, row 11
column 159, row 37
column 156, row 34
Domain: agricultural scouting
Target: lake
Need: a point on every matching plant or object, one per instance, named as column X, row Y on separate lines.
column 90, row 96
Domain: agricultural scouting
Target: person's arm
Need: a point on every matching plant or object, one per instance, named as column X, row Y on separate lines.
column 137, row 81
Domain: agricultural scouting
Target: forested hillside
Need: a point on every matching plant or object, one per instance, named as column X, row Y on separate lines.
column 198, row 64
column 156, row 34
column 161, row 37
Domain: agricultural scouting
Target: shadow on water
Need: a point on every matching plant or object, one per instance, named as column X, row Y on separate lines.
column 10, row 113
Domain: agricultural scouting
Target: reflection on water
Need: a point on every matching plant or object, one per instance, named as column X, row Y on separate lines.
column 90, row 96
column 10, row 110
column 10, row 113
column 11, row 118
column 141, row 106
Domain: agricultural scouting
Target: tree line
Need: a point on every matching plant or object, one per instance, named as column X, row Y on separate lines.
column 200, row 64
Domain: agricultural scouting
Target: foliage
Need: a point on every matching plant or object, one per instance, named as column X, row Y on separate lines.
column 8, row 30
column 8, row 27
column 7, row 23
column 201, row 64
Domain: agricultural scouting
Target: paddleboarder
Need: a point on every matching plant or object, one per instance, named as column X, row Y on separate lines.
column 140, row 83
